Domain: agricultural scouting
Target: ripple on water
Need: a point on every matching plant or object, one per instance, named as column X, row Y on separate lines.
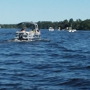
column 61, row 64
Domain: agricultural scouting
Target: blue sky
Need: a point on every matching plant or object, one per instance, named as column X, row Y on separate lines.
column 15, row 11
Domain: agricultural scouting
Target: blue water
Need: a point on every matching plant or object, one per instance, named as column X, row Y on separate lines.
column 63, row 63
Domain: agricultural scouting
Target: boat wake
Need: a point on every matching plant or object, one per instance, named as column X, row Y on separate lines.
column 13, row 40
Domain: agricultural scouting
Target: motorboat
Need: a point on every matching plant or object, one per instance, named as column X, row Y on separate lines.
column 31, row 35
column 26, row 36
column 51, row 29
column 73, row 30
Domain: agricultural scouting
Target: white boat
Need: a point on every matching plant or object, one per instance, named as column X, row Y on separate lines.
column 51, row 29
column 31, row 35
column 59, row 29
column 73, row 30
column 70, row 29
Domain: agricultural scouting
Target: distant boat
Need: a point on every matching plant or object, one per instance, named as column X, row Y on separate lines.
column 51, row 29
column 59, row 29
column 73, row 30
column 70, row 29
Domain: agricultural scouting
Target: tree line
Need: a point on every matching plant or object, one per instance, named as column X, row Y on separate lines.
column 78, row 24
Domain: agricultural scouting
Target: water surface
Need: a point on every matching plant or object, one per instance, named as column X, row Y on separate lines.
column 61, row 64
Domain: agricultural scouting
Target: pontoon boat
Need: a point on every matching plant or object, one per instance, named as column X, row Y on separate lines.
column 28, row 35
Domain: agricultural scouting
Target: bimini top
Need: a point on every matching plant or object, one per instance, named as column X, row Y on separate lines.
column 26, row 24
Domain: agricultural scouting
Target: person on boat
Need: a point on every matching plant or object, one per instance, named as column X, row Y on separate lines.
column 21, row 34
column 23, row 30
column 32, row 32
column 38, row 32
